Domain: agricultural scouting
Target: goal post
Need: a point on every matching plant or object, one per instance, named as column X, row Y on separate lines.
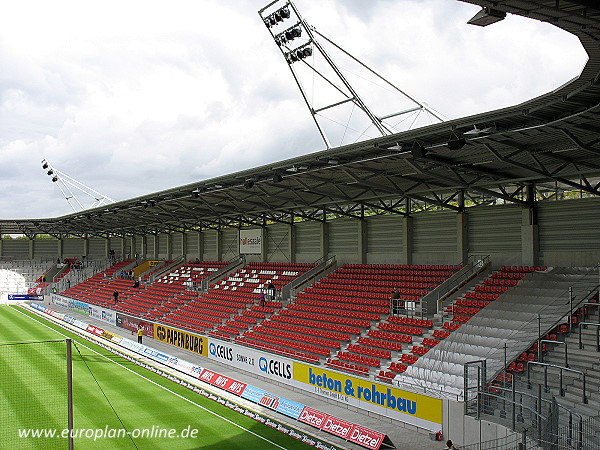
column 36, row 400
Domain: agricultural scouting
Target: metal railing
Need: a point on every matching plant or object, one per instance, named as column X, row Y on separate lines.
column 229, row 268
column 594, row 324
column 547, row 341
column 471, row 267
column 561, row 369
column 322, row 264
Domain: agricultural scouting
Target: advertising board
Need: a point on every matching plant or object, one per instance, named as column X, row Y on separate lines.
column 408, row 407
column 250, row 241
column 105, row 315
column 181, row 339
column 261, row 363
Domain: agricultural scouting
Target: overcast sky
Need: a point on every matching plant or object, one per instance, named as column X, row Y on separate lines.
column 133, row 97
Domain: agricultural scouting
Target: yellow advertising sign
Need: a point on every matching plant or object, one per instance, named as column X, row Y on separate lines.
column 410, row 403
column 181, row 339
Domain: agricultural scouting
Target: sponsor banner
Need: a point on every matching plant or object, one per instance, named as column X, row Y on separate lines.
column 77, row 306
column 409, row 407
column 94, row 329
column 351, row 432
column 105, row 315
column 339, row 427
column 289, row 408
column 134, row 346
column 366, row 437
column 251, row 241
column 111, row 337
column 25, row 297
column 184, row 366
column 133, row 323
column 253, row 394
column 155, row 355
column 181, row 339
column 38, row 307
column 313, row 417
column 223, row 382
column 35, row 291
column 59, row 300
column 78, row 323
column 261, row 363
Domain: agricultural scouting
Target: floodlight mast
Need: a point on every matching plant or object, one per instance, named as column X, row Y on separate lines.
column 280, row 10
column 65, row 183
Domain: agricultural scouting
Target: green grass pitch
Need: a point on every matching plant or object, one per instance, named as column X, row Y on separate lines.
column 139, row 402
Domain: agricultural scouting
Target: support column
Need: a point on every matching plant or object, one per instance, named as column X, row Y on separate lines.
column 200, row 238
column 107, row 248
column 86, row 247
column 169, row 245
column 133, row 246
column 184, row 242
column 462, row 237
column 407, row 239
column 264, row 252
column 324, row 240
column 292, row 242
column 155, row 250
column 59, row 249
column 143, row 247
column 31, row 248
column 530, row 243
column 219, row 245
column 362, row 241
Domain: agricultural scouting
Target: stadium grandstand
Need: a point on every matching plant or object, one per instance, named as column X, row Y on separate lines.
column 442, row 282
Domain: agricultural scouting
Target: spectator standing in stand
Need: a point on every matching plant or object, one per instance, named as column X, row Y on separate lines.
column 140, row 333
column 116, row 296
column 395, row 298
column 450, row 445
column 271, row 289
column 262, row 299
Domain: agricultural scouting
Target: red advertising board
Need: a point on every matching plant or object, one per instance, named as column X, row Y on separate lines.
column 354, row 433
column 337, row 426
column 92, row 329
column 365, row 437
column 313, row 417
column 223, row 382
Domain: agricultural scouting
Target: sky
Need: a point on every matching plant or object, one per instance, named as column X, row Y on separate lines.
column 135, row 97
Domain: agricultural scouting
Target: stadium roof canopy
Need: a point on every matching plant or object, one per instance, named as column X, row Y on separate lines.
column 516, row 155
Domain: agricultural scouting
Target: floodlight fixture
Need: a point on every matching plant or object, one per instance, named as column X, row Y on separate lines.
column 481, row 131
column 248, row 184
column 50, row 172
column 334, row 77
column 278, row 16
column 277, row 178
column 54, row 179
column 44, row 164
column 418, row 151
column 457, row 143
column 299, row 53
column 487, row 16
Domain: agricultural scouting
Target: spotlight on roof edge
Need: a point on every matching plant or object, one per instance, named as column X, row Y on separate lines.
column 487, row 16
